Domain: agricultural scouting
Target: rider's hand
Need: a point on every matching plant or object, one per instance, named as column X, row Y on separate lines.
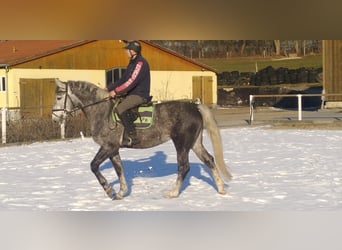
column 112, row 93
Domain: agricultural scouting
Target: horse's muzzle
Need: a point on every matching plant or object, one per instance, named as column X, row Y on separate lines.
column 58, row 116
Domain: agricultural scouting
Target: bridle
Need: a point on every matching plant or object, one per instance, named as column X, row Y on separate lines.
column 76, row 107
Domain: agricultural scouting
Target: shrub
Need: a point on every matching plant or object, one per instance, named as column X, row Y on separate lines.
column 43, row 128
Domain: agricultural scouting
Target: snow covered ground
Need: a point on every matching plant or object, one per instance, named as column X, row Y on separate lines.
column 273, row 170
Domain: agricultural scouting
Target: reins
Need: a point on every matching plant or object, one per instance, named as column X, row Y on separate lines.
column 69, row 112
column 88, row 105
column 116, row 100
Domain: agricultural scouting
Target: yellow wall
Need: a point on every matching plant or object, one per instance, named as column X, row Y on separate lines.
column 173, row 85
column 14, row 75
column 171, row 75
column 165, row 85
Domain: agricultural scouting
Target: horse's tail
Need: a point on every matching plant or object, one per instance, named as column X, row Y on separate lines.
column 211, row 125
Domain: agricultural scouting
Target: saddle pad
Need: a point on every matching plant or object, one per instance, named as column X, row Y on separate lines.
column 145, row 117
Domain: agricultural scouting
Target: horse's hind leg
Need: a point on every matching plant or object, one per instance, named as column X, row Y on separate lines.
column 100, row 157
column 183, row 169
column 208, row 160
column 117, row 163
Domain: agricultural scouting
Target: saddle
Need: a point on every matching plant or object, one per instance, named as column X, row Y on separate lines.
column 141, row 115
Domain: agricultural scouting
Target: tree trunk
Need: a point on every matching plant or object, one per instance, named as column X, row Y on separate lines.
column 277, row 47
column 243, row 46
column 298, row 47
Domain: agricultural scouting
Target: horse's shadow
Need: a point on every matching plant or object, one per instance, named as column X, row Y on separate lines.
column 156, row 166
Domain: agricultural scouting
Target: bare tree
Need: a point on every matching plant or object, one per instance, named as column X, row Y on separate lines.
column 298, row 47
column 228, row 48
column 277, row 47
column 242, row 48
column 200, row 49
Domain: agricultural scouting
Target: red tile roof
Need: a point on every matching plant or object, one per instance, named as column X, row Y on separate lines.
column 13, row 52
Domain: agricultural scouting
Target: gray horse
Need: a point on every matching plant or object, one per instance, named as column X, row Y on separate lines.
column 179, row 121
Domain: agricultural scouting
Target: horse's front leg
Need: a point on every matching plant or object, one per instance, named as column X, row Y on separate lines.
column 119, row 169
column 100, row 157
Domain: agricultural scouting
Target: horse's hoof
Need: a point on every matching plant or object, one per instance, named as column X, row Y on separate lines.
column 111, row 193
column 117, row 197
column 171, row 196
column 223, row 192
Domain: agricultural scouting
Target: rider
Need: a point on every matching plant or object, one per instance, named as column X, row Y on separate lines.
column 134, row 87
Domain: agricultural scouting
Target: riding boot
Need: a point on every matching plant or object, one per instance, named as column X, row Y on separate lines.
column 130, row 134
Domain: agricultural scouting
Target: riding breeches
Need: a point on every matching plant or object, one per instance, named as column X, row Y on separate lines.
column 129, row 102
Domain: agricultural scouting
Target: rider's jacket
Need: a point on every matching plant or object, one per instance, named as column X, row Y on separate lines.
column 135, row 80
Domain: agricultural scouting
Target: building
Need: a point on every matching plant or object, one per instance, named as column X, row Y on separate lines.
column 28, row 70
column 332, row 73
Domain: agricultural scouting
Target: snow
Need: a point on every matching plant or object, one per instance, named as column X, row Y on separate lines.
column 273, row 170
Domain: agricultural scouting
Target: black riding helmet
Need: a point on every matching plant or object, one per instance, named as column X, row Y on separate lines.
column 133, row 45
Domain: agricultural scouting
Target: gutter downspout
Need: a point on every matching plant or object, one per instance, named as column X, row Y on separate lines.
column 4, row 114
column 6, row 84
column 6, row 66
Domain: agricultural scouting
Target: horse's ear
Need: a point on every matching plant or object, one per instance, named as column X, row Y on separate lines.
column 60, row 84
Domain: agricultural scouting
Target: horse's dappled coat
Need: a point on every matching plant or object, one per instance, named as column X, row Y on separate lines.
column 180, row 121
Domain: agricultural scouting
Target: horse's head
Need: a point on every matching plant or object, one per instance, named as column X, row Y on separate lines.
column 65, row 101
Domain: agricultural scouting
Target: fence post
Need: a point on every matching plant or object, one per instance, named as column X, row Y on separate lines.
column 299, row 107
column 63, row 129
column 251, row 115
column 3, row 124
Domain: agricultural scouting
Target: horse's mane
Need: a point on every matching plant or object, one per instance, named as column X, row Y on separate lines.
column 88, row 90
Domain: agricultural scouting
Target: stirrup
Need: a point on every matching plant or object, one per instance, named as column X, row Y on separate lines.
column 129, row 141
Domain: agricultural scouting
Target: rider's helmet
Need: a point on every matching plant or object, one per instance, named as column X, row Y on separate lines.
column 133, row 45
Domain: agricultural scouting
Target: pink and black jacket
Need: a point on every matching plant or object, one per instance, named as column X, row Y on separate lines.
column 135, row 80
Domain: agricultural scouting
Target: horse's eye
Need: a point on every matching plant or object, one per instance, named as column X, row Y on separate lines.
column 59, row 98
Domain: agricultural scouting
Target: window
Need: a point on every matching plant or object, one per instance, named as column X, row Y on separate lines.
column 2, row 83
column 114, row 74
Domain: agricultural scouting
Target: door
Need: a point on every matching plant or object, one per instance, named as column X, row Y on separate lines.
column 37, row 96
column 202, row 88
